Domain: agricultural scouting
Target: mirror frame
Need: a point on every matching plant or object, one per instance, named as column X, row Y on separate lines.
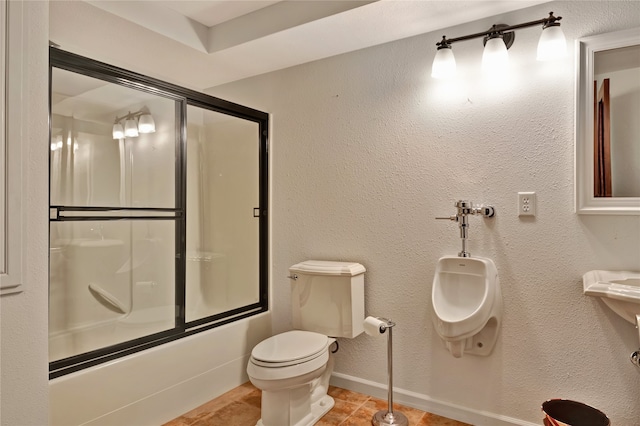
column 585, row 202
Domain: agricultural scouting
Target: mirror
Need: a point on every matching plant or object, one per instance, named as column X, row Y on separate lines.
column 607, row 145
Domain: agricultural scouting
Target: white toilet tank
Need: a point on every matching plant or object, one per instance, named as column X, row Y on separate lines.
column 328, row 297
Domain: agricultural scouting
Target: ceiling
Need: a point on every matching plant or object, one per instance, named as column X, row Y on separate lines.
column 205, row 43
column 214, row 12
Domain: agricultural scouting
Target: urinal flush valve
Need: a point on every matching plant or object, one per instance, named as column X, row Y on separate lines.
column 463, row 210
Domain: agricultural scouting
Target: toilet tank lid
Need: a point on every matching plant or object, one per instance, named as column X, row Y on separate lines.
column 325, row 267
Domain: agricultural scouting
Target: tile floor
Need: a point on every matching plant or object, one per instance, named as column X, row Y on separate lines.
column 241, row 407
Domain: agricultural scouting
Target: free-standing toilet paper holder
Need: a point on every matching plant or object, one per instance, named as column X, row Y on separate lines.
column 388, row 417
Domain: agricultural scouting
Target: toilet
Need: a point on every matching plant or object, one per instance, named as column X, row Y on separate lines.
column 467, row 304
column 293, row 368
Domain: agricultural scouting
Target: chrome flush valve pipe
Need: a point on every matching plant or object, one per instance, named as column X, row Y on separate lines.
column 465, row 208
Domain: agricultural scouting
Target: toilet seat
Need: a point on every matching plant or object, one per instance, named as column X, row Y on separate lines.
column 289, row 348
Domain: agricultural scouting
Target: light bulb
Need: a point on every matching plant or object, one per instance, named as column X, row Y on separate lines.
column 495, row 57
column 118, row 131
column 130, row 128
column 552, row 44
column 444, row 63
column 146, row 124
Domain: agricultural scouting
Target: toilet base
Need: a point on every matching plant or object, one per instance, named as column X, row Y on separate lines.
column 318, row 409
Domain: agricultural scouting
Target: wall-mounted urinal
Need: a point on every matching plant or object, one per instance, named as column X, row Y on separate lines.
column 467, row 304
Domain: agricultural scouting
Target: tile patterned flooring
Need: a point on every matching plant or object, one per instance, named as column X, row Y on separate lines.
column 241, row 407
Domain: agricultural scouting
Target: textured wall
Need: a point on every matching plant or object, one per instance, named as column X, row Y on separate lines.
column 367, row 149
column 24, row 367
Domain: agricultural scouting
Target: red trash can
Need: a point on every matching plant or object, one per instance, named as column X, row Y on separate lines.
column 564, row 412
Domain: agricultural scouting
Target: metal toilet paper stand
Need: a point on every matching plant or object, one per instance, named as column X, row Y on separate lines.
column 388, row 417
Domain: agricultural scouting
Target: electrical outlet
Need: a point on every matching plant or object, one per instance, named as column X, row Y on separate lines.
column 526, row 203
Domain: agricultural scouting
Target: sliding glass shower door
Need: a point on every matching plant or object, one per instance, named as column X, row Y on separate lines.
column 157, row 213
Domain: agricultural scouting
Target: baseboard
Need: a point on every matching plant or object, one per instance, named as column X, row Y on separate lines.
column 426, row 403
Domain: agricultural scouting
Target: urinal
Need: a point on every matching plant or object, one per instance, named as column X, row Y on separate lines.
column 467, row 304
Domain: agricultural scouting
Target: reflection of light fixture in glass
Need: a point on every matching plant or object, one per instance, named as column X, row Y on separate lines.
column 146, row 124
column 118, row 131
column 498, row 39
column 130, row 128
column 133, row 128
column 55, row 142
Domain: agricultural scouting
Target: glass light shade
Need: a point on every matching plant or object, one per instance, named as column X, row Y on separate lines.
column 131, row 128
column 552, row 44
column 118, row 131
column 146, row 124
column 444, row 64
column 495, row 56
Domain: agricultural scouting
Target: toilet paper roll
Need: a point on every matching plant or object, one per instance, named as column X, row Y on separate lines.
column 374, row 326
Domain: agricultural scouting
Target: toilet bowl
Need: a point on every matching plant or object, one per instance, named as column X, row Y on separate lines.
column 292, row 369
column 467, row 304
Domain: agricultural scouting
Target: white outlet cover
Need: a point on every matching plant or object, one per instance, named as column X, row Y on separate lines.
column 526, row 203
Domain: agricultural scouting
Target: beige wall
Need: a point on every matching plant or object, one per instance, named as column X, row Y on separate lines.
column 367, row 149
column 23, row 316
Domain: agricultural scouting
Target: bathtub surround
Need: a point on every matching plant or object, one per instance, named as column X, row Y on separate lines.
column 153, row 386
column 368, row 143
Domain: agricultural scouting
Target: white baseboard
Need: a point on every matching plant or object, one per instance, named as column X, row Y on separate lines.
column 426, row 403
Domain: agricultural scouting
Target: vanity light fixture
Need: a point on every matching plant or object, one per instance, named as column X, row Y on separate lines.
column 495, row 56
column 134, row 124
column 497, row 40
